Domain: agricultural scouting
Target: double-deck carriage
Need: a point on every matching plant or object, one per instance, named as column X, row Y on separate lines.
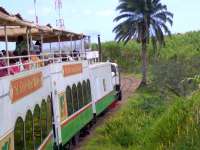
column 47, row 104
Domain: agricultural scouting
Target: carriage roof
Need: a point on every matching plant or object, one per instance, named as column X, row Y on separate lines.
column 17, row 26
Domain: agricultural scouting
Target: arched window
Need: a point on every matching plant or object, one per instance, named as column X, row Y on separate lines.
column 69, row 101
column 19, row 134
column 75, row 99
column 89, row 96
column 29, row 131
column 80, row 96
column 44, row 119
column 37, row 126
column 49, row 115
column 84, row 86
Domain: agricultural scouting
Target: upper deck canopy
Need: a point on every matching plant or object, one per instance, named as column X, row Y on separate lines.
column 17, row 26
column 13, row 20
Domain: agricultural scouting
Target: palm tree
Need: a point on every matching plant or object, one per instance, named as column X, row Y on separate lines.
column 143, row 20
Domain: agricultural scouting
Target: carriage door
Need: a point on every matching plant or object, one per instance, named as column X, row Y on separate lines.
column 97, row 89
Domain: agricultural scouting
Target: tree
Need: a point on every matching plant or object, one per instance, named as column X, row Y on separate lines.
column 143, row 20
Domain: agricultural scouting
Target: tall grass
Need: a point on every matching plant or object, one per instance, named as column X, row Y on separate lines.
column 128, row 128
column 178, row 127
column 149, row 121
column 156, row 117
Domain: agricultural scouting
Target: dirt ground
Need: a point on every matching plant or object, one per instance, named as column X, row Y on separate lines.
column 129, row 85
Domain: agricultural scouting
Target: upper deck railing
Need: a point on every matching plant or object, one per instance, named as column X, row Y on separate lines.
column 13, row 28
column 30, row 62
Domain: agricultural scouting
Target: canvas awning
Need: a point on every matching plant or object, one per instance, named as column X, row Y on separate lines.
column 13, row 20
column 17, row 26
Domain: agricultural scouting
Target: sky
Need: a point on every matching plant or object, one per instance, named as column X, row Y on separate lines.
column 96, row 16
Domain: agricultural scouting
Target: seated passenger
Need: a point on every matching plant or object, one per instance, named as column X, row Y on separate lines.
column 38, row 43
column 18, row 61
column 70, row 58
column 37, row 62
column 57, row 58
column 3, row 72
column 76, row 54
column 25, row 61
column 64, row 57
column 14, row 68
column 4, row 53
column 21, row 45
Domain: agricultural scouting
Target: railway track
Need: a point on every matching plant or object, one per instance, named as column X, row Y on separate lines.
column 129, row 85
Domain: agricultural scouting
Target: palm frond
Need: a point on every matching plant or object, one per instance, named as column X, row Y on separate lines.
column 142, row 20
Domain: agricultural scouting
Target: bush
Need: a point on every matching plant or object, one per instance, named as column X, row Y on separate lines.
column 178, row 128
column 171, row 75
column 184, row 46
column 150, row 122
column 129, row 126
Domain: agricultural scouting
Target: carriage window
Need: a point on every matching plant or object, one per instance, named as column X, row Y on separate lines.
column 104, row 85
column 49, row 115
column 84, row 92
column 29, row 130
column 89, row 91
column 75, row 99
column 80, row 96
column 63, row 106
column 44, row 119
column 37, row 126
column 19, row 134
column 69, row 101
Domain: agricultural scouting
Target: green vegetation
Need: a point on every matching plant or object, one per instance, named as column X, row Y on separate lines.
column 151, row 121
column 143, row 20
column 169, row 66
column 180, row 46
column 166, row 113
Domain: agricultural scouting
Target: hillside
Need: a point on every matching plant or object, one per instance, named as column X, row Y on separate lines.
column 166, row 113
column 150, row 121
column 128, row 56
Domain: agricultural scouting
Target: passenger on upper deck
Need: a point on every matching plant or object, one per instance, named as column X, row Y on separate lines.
column 76, row 54
column 25, row 61
column 4, row 53
column 38, row 43
column 21, row 45
column 14, row 64
column 37, row 62
column 3, row 72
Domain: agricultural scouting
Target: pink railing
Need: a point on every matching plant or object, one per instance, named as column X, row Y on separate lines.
column 24, row 63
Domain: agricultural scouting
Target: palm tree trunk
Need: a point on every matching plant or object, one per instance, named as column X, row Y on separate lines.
column 144, row 62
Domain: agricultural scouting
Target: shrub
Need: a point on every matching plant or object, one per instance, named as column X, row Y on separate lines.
column 171, row 75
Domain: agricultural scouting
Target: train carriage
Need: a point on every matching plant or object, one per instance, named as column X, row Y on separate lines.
column 103, row 91
column 47, row 104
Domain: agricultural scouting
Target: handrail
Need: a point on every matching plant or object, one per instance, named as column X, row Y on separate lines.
column 45, row 59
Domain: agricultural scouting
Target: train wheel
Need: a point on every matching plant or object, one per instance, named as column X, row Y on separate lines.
column 75, row 139
column 68, row 146
column 119, row 95
column 85, row 131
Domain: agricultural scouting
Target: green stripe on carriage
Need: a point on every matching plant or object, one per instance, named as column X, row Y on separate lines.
column 49, row 145
column 103, row 103
column 77, row 123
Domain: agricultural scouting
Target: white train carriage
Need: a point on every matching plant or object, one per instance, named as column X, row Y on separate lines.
column 45, row 105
